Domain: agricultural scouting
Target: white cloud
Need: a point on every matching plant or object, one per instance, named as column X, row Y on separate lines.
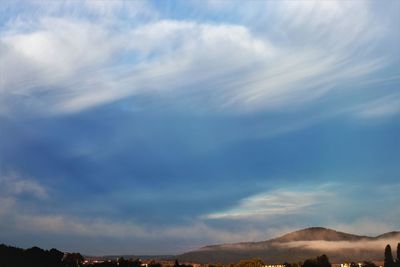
column 92, row 227
column 271, row 206
column 326, row 205
column 74, row 63
column 13, row 185
column 274, row 203
column 327, row 246
column 53, row 55
column 15, row 219
column 382, row 107
column 68, row 60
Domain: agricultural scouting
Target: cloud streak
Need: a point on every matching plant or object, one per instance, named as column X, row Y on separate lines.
column 383, row 107
column 13, row 185
column 155, row 121
column 274, row 203
column 328, row 246
column 75, row 64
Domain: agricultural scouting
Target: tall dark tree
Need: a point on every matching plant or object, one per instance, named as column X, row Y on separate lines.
column 389, row 262
column 398, row 255
column 73, row 260
column 398, row 252
column 321, row 261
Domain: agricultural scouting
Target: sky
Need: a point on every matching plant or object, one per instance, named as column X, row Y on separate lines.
column 158, row 127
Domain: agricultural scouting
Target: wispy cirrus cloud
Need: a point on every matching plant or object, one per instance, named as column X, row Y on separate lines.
column 382, row 107
column 74, row 63
column 106, row 98
column 274, row 203
column 14, row 185
column 324, row 203
column 16, row 219
column 269, row 208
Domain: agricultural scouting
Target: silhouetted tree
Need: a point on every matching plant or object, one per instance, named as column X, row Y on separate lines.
column 11, row 256
column 389, row 262
column 135, row 263
column 398, row 254
column 321, row 261
column 56, row 257
column 353, row 264
column 73, row 260
column 154, row 264
column 122, row 262
column 17, row 257
column 310, row 263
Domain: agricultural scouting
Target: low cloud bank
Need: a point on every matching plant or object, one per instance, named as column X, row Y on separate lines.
column 327, row 246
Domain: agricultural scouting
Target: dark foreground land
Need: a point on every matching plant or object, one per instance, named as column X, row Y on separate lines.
column 297, row 249
column 37, row 257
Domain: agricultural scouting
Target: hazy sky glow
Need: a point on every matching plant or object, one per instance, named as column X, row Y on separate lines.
column 150, row 127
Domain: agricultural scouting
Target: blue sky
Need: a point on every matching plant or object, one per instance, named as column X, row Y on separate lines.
column 156, row 127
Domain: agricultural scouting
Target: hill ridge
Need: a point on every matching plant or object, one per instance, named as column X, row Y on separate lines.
column 298, row 245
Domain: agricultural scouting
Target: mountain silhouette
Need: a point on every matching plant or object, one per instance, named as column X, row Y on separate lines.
column 298, row 246
column 317, row 233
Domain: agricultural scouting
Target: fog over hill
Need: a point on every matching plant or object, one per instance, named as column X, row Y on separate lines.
column 299, row 245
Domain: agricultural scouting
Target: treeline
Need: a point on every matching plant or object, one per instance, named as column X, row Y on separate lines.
column 33, row 257
column 321, row 261
column 389, row 259
column 121, row 262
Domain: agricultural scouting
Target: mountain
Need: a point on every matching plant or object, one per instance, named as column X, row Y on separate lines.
column 298, row 246
column 317, row 233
